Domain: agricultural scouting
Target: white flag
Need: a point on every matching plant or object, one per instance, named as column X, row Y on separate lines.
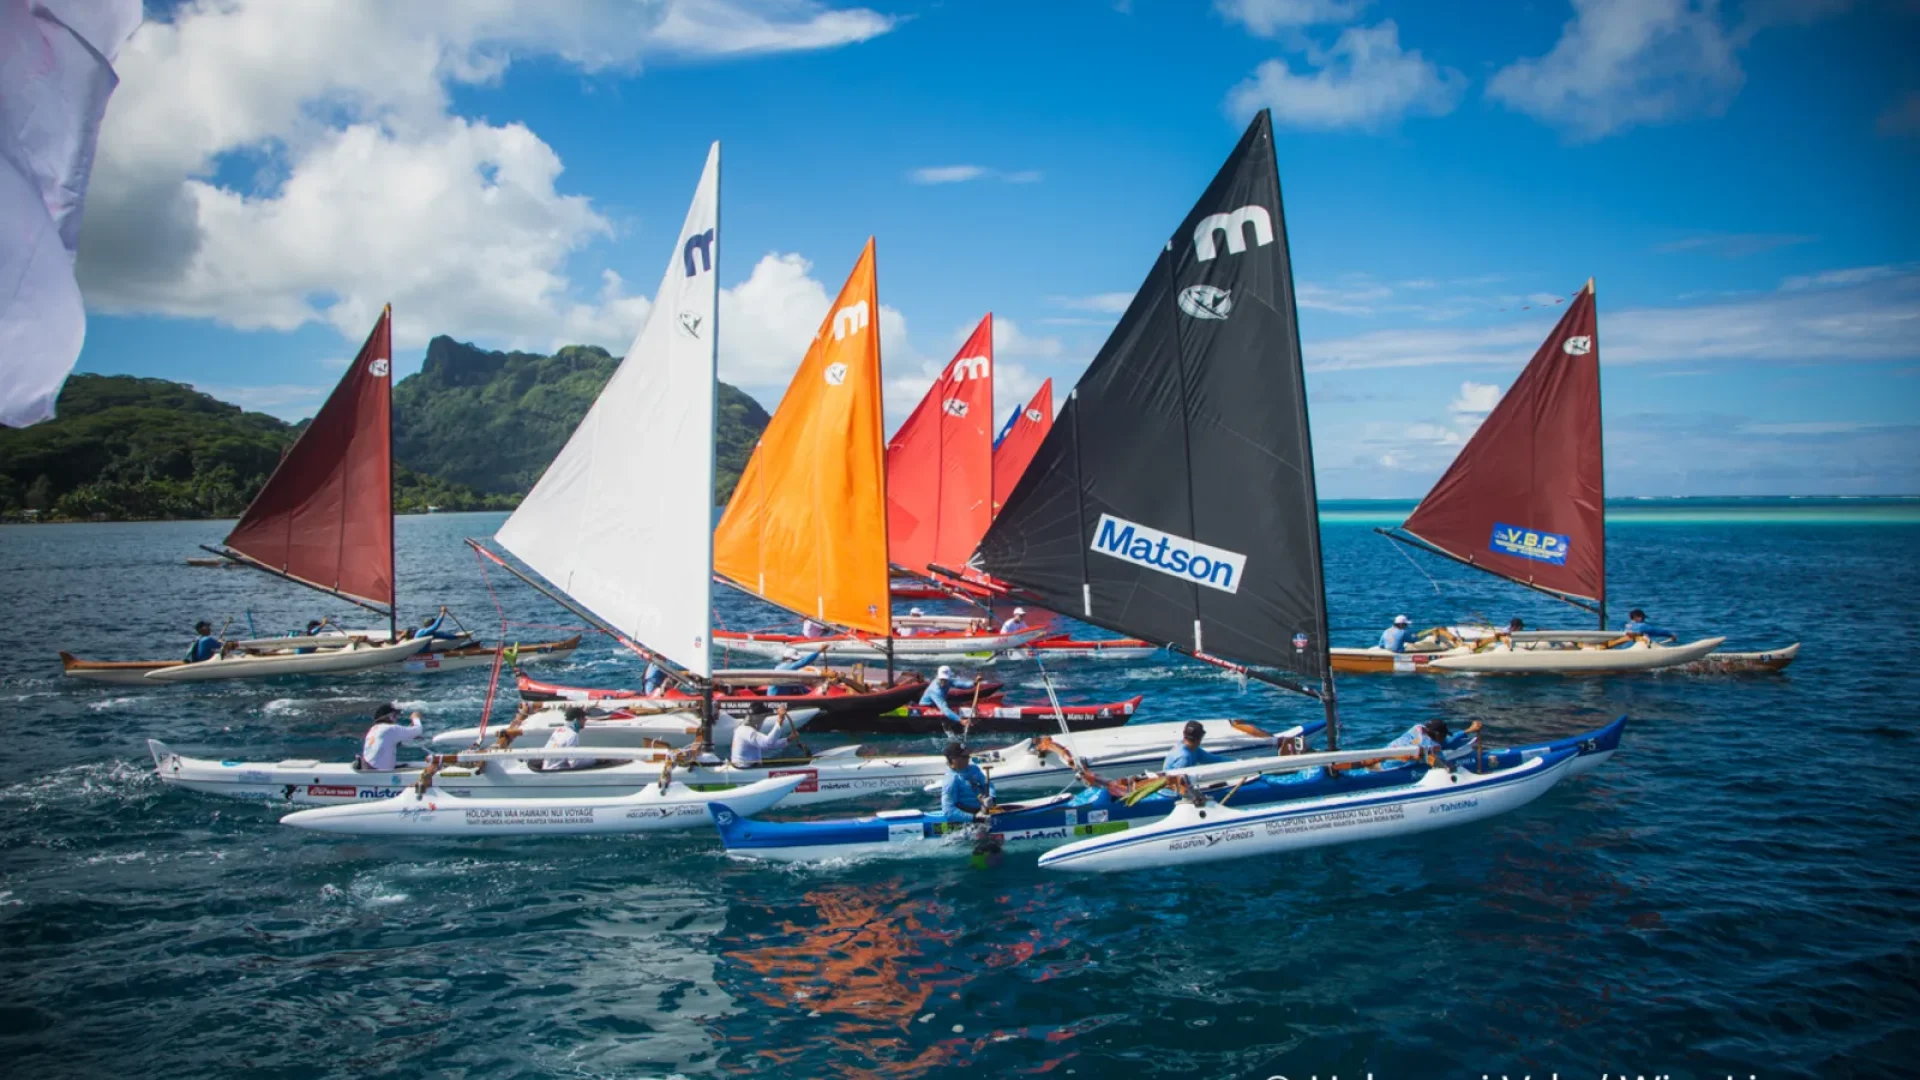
column 56, row 71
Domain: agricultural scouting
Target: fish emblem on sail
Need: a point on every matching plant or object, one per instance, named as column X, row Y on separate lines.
column 836, row 374
column 1206, row 302
column 1579, row 345
column 954, row 407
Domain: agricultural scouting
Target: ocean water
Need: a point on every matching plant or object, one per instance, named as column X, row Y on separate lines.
column 1736, row 894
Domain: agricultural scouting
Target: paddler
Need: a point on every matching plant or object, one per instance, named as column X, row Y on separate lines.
column 909, row 630
column 936, row 695
column 380, row 750
column 1016, row 624
column 1188, row 753
column 205, row 645
column 751, row 745
column 1395, row 638
column 564, row 737
column 966, row 793
column 436, row 627
column 791, row 659
column 1430, row 735
column 1638, row 626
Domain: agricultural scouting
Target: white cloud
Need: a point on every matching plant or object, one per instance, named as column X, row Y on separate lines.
column 1807, row 427
column 365, row 188
column 1268, row 17
column 1901, row 118
column 1867, row 314
column 1350, row 299
column 768, row 320
column 284, row 400
column 1620, row 63
column 960, row 174
column 1734, row 245
column 1476, row 399
column 1365, row 80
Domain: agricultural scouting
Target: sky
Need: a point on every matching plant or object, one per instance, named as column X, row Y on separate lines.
column 1739, row 179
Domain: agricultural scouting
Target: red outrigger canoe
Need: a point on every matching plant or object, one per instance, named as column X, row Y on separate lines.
column 991, row 716
column 838, row 700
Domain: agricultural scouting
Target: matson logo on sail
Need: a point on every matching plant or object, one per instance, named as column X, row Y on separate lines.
column 1175, row 556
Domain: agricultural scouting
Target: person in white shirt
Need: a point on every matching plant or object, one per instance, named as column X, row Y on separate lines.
column 811, row 629
column 380, row 750
column 751, row 746
column 565, row 737
column 1015, row 624
column 908, row 630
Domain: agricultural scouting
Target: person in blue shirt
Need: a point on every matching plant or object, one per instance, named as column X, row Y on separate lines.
column 205, row 645
column 966, row 792
column 654, row 680
column 936, row 695
column 1188, row 753
column 436, row 627
column 1638, row 626
column 1431, row 736
column 1396, row 637
column 791, row 659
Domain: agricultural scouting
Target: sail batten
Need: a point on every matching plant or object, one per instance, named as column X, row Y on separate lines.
column 1173, row 499
column 806, row 528
column 1525, row 498
column 325, row 517
column 642, row 563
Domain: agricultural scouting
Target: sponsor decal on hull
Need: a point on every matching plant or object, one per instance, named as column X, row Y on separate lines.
column 490, row 817
column 332, row 791
column 1336, row 819
column 810, row 784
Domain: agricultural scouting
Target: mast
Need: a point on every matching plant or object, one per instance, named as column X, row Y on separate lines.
column 393, row 557
column 1600, row 437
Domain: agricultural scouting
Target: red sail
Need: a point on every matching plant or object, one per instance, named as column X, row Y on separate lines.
column 325, row 517
column 1525, row 498
column 940, row 464
column 1010, row 458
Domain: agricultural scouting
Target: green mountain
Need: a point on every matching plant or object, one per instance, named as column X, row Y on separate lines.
column 493, row 420
column 473, row 430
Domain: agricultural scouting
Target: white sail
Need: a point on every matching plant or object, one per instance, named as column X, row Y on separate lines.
column 620, row 520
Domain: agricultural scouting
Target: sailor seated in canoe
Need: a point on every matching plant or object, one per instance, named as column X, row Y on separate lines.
column 1502, row 639
column 654, row 681
column 965, row 793
column 380, row 750
column 314, row 626
column 565, row 737
column 1430, row 735
column 1397, row 637
column 751, row 746
column 205, row 645
column 908, row 629
column 811, row 629
column 1188, row 753
column 1637, row 627
column 936, row 692
column 436, row 627
column 791, row 659
column 1016, row 624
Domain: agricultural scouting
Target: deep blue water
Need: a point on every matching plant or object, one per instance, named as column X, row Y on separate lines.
column 1735, row 894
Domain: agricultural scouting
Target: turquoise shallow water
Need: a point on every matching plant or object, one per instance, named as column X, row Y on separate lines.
column 1735, row 894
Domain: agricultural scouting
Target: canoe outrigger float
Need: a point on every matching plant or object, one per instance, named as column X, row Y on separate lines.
column 1525, row 501
column 831, row 775
column 427, row 811
column 1103, row 810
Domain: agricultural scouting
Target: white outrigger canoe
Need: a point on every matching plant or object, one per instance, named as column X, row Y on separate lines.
column 329, row 657
column 1544, row 652
column 647, row 723
column 936, row 646
column 1211, row 832
column 828, row 776
column 660, row 806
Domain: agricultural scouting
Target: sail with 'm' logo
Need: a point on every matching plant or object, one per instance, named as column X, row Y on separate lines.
column 1174, row 498
column 1014, row 451
column 940, row 464
column 641, row 566
column 1526, row 498
column 807, row 525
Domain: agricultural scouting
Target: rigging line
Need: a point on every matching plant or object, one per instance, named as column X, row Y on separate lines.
column 495, row 597
column 1431, row 580
column 1059, row 716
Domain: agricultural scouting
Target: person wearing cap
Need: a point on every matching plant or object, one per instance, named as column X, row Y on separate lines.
column 1187, row 753
column 380, row 750
column 1396, row 637
column 966, row 792
column 205, row 645
column 1015, row 624
column 1638, row 626
column 935, row 695
column 791, row 659
column 909, row 630
column 565, row 737
column 753, row 745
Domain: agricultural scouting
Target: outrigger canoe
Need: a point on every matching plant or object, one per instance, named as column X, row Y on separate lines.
column 657, row 807
column 643, row 723
column 1547, row 652
column 933, row 647
column 830, row 693
column 836, row 774
column 478, row 655
column 330, row 658
column 990, row 717
column 1063, row 647
column 1097, row 812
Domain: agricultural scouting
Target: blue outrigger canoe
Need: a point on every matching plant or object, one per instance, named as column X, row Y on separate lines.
column 1095, row 812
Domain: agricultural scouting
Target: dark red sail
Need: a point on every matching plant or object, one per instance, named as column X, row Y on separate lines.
column 325, row 517
column 1525, row 498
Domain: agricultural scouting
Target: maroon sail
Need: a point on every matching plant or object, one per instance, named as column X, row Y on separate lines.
column 1525, row 498
column 325, row 517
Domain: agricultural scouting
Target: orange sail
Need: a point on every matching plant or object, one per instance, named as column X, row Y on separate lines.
column 1024, row 433
column 940, row 464
column 807, row 526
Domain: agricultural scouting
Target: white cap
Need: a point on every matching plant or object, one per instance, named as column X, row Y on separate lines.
column 945, row 672
column 1019, row 611
column 789, row 653
column 1400, row 620
column 915, row 611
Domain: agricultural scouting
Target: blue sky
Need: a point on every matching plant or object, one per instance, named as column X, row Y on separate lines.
column 1738, row 178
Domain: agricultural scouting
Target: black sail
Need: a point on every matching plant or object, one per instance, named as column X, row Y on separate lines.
column 1174, row 498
